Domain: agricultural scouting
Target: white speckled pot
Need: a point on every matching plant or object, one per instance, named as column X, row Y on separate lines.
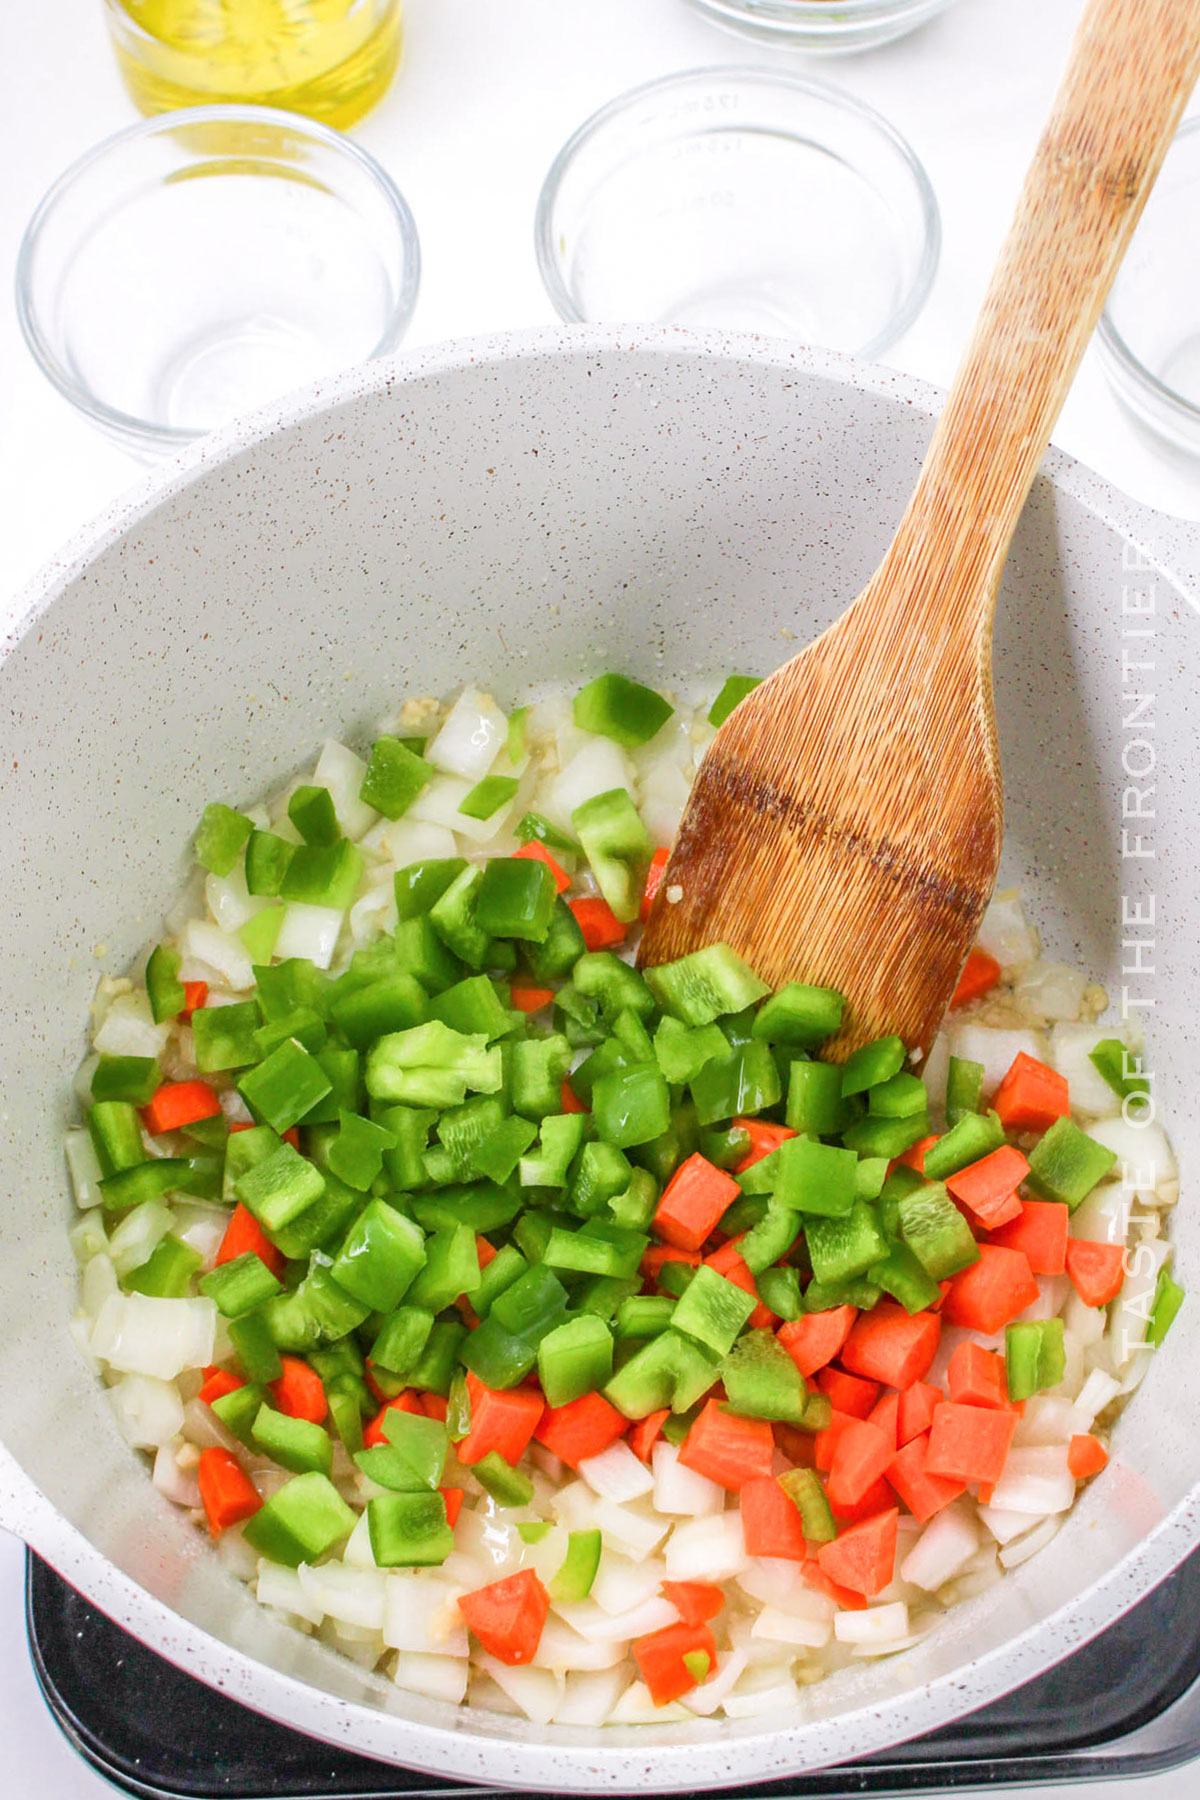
column 513, row 511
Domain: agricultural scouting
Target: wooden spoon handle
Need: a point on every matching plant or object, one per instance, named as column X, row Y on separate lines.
column 1132, row 65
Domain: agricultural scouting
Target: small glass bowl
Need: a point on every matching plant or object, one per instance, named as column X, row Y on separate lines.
column 204, row 261
column 742, row 199
column 821, row 27
column 1150, row 331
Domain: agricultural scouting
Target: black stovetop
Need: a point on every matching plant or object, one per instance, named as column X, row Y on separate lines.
column 1127, row 1703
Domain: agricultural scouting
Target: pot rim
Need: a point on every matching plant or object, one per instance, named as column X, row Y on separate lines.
column 621, row 1762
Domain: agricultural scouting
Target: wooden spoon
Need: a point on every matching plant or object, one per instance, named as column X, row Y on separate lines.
column 845, row 824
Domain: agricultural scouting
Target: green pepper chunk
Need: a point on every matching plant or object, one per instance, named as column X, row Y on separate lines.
column 612, row 706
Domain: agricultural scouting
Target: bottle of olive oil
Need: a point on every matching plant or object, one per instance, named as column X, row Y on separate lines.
column 331, row 59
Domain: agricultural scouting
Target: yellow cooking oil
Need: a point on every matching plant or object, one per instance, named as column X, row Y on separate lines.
column 331, row 59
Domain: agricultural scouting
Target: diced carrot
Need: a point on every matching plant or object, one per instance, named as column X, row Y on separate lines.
column 877, row 1498
column 914, row 1156
column 1031, row 1096
column 434, row 1406
column 180, row 1103
column 696, row 1602
column 580, row 1429
column 860, row 1456
column 601, row 928
column 1086, row 1456
column 825, row 1440
column 846, row 1598
column 658, row 1255
column 531, row 999
column 985, row 1490
column 764, row 1139
column 1041, row 1232
column 770, row 1521
column 226, row 1491
column 848, row 1393
column 886, row 1414
column 991, row 1293
column 799, row 1447
column 893, row 1346
column 291, row 1136
column 988, row 1188
column 916, row 1411
column 728, row 1449
column 507, row 1616
column 692, row 1202
column 654, row 875
column 980, row 974
column 195, row 993
column 536, row 852
column 659, row 1655
column 969, row 1443
column 643, row 1436
column 728, row 1262
column 373, row 1433
column 976, row 1377
column 218, row 1382
column 815, row 1339
column 863, row 1557
column 454, row 1499
column 244, row 1233
column 484, row 1251
column 503, row 1420
column 1097, row 1271
column 569, row 1100
column 923, row 1494
column 299, row 1391
column 943, row 1290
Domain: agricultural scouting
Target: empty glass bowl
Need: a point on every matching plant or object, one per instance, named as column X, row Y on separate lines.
column 204, row 261
column 821, row 26
column 742, row 199
column 1150, row 331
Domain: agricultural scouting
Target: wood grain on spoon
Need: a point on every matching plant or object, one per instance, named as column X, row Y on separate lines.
column 845, row 824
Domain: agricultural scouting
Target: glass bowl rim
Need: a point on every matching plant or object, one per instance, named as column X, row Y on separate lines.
column 1125, row 361
column 129, row 425
column 852, row 10
column 807, row 86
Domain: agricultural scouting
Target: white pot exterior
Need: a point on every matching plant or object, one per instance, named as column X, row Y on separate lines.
column 518, row 511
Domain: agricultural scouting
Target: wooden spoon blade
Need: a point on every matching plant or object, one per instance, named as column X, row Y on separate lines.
column 853, row 846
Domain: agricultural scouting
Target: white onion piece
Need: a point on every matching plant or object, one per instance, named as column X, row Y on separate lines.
column 1052, row 1295
column 681, row 1490
column 779, row 1697
column 408, row 840
column 143, row 1335
column 83, row 1166
column 949, row 1540
column 786, row 1628
column 561, row 1648
column 1086, row 1323
column 635, row 1707
column 1070, row 1053
column 439, row 802
column 358, row 1553
column 421, row 1613
column 617, row 1474
column 281, row 1587
column 1051, row 990
column 223, row 955
column 597, row 768
column 1004, row 1526
column 994, row 1049
column 707, row 1549
column 1103, row 1218
column 1145, row 1159
column 374, row 913
column 178, row 1484
column 934, row 1069
column 780, row 1584
column 129, row 1028
column 134, row 1240
column 202, row 1427
column 877, row 1626
column 87, row 1238
column 1097, row 1392
column 599, row 1627
column 309, row 931
column 637, row 1532
column 1129, row 1314
column 1049, row 1420
column 351, row 1596
column 664, row 796
column 494, row 1543
column 149, row 1412
column 1004, row 931
column 201, row 1227
column 589, row 1696
column 1016, row 1553
column 711, row 1694
column 230, row 901
column 470, row 738
column 437, row 1677
column 339, row 770
column 1035, row 1479
column 621, row 1583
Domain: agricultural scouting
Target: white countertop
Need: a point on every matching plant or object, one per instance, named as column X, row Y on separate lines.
column 486, row 96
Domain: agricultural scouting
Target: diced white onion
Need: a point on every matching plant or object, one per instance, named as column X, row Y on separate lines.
column 1145, row 1159
column 374, row 913
column 143, row 1335
column 178, row 1484
column 706, row 1698
column 87, row 1237
column 786, row 1628
column 597, row 768
column 664, row 796
column 934, row 1069
column 599, row 1627
column 339, row 770
column 637, row 1532
column 437, row 1677
column 99, row 1284
column 129, row 1028
column 422, row 1613
column 561, row 1648
column 408, row 840
column 358, row 1553
column 995, row 1049
column 439, row 803
column 309, row 931
column 1103, row 1218
column 877, row 1626
column 780, row 1584
column 949, row 1540
column 535, row 1691
column 470, row 737
column 202, row 1427
column 1049, row 1419
column 710, row 1549
column 149, row 1411
column 1004, row 931
column 1098, row 1391
column 621, row 1583
column 1071, row 1046
column 1129, row 1314
column 782, row 1697
column 1035, row 1479
column 216, row 950
column 352, row 1596
column 281, row 1587
column 589, row 1696
column 1004, row 1526
column 635, row 1707
column 1052, row 1294
column 83, row 1166
column 230, row 901
column 201, row 1227
column 617, row 1474
column 1016, row 1553
column 1051, row 990
column 681, row 1490
column 139, row 1232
